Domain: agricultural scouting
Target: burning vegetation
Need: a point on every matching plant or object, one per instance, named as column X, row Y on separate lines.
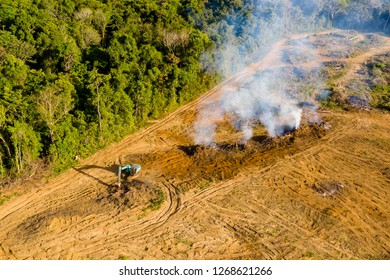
column 258, row 143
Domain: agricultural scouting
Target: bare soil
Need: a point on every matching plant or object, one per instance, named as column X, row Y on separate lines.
column 320, row 192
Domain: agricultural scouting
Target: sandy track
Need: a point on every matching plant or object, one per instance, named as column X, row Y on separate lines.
column 259, row 203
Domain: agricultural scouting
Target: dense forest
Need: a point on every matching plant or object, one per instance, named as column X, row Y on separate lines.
column 76, row 75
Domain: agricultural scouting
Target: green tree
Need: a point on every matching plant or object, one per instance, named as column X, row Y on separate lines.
column 101, row 20
column 386, row 8
column 26, row 144
column 5, row 151
column 54, row 103
column 97, row 81
column 114, row 109
column 334, row 7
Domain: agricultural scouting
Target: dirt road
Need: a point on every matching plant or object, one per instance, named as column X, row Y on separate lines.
column 321, row 192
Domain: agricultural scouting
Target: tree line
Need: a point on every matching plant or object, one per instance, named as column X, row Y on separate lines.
column 76, row 75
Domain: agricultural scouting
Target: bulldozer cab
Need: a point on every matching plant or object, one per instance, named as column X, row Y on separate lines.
column 129, row 170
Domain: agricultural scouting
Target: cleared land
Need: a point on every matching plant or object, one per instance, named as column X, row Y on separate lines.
column 321, row 192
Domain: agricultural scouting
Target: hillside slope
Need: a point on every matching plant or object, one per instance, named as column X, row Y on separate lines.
column 321, row 192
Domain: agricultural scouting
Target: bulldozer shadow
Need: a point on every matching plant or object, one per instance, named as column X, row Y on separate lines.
column 84, row 170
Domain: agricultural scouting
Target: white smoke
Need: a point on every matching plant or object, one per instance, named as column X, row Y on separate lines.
column 273, row 96
column 258, row 102
column 205, row 125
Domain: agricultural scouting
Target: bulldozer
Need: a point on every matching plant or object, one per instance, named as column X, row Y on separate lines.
column 129, row 170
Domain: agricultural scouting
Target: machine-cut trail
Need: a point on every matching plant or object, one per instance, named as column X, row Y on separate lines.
column 320, row 192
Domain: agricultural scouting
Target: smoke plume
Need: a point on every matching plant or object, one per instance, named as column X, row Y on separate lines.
column 274, row 97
